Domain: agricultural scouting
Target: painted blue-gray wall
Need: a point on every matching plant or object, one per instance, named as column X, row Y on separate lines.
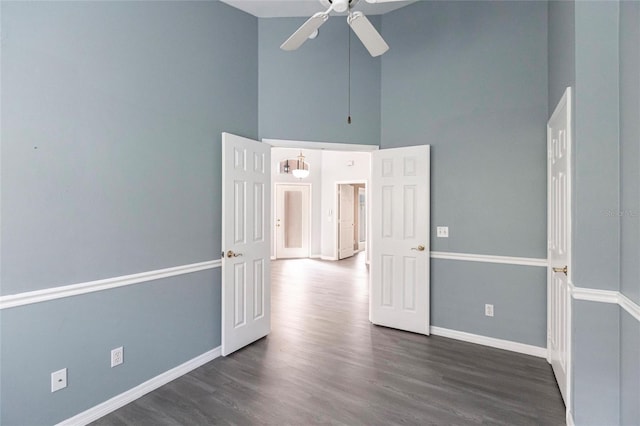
column 112, row 114
column 459, row 291
column 630, row 149
column 111, row 122
column 304, row 94
column 470, row 79
column 596, row 248
column 606, row 363
column 561, row 44
column 160, row 324
column 630, row 209
column 629, row 369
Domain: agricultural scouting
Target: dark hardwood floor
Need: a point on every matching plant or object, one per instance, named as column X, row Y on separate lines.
column 324, row 363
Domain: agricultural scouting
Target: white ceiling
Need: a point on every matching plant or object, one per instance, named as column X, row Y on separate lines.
column 306, row 8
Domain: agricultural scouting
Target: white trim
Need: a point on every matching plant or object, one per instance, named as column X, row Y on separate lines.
column 629, row 305
column 142, row 389
column 29, row 297
column 508, row 345
column 569, row 418
column 594, row 295
column 329, row 146
column 524, row 261
column 606, row 296
column 332, row 258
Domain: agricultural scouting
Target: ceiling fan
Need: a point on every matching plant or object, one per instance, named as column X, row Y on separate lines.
column 359, row 23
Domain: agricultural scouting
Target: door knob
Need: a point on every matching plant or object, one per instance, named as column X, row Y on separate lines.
column 230, row 253
column 565, row 269
column 419, row 248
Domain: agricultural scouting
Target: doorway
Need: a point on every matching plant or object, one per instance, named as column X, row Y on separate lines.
column 352, row 219
column 292, row 220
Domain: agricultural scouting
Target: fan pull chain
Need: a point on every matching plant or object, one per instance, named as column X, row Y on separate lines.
column 349, row 78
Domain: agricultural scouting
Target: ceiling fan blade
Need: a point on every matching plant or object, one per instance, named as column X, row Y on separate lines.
column 367, row 34
column 302, row 34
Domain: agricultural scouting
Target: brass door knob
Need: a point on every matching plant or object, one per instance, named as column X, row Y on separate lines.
column 419, row 248
column 231, row 253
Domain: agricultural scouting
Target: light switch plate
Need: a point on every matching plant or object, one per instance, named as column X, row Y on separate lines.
column 442, row 232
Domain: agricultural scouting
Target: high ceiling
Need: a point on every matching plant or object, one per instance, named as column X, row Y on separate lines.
column 306, row 8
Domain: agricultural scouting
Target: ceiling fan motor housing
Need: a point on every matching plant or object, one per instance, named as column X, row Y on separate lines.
column 348, row 4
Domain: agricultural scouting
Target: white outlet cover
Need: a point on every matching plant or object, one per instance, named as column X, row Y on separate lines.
column 58, row 380
column 442, row 232
column 488, row 310
column 117, row 356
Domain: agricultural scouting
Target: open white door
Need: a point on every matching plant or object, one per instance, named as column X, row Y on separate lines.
column 400, row 228
column 346, row 221
column 559, row 241
column 246, row 287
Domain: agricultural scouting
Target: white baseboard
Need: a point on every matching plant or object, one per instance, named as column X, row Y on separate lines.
column 142, row 389
column 490, row 341
column 569, row 419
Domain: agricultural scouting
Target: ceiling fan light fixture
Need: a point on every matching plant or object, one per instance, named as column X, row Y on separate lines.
column 340, row 5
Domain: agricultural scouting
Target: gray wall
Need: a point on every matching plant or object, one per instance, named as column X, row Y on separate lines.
column 630, row 208
column 596, row 363
column 630, row 149
column 470, row 79
column 111, row 122
column 596, row 248
column 629, row 369
column 562, row 49
column 304, row 94
column 593, row 45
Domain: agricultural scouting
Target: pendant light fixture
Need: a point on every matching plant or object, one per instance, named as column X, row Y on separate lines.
column 301, row 169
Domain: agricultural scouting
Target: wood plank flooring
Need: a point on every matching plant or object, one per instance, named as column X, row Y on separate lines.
column 324, row 363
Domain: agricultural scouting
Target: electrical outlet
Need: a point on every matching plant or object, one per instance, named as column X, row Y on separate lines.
column 442, row 231
column 58, row 380
column 488, row 310
column 117, row 356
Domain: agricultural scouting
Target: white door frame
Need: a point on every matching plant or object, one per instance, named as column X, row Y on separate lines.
column 275, row 212
column 566, row 100
column 336, row 205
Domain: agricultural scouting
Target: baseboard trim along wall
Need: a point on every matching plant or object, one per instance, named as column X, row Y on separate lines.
column 606, row 296
column 142, row 389
column 508, row 345
column 524, row 261
column 30, row 297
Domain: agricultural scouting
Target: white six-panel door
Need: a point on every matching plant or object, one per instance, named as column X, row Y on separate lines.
column 559, row 240
column 246, row 195
column 400, row 228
